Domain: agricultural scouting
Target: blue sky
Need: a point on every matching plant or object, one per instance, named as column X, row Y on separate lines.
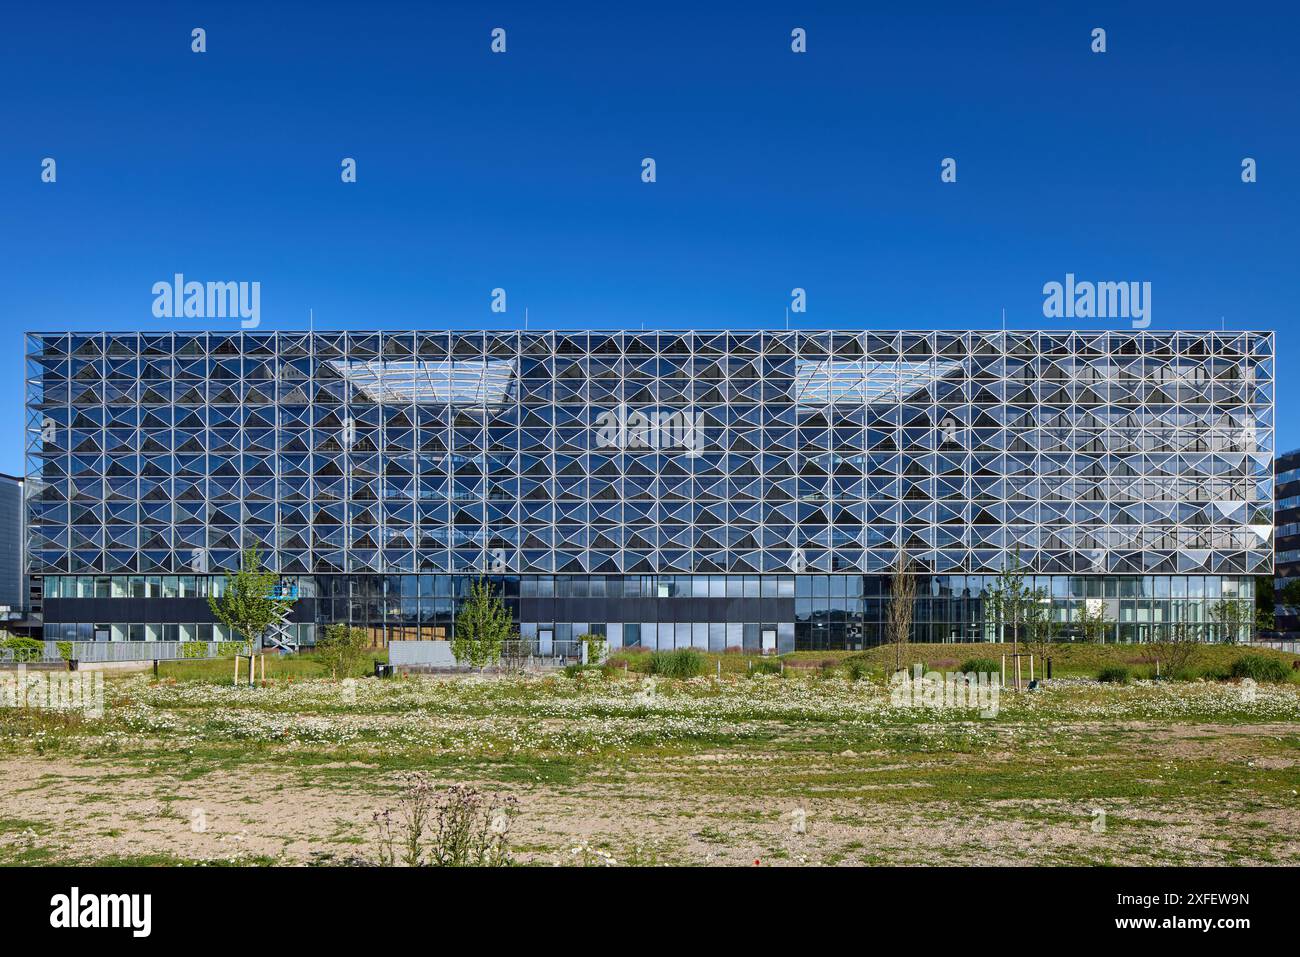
column 522, row 170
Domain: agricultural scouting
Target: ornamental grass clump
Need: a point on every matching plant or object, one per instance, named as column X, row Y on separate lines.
column 682, row 663
column 1259, row 668
column 1114, row 674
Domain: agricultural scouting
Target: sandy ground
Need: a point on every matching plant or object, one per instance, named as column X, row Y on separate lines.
column 86, row 810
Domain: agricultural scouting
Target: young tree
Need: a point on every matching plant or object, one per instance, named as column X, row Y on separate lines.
column 341, row 647
column 482, row 624
column 1176, row 651
column 1009, row 600
column 1092, row 620
column 902, row 600
column 247, row 607
column 1041, row 626
column 1232, row 615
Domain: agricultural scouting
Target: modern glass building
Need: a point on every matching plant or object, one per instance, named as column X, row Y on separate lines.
column 1287, row 542
column 713, row 489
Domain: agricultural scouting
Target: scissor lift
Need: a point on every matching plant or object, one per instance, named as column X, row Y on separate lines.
column 281, row 635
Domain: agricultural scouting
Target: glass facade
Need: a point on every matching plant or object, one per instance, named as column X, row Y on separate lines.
column 385, row 470
column 1287, row 543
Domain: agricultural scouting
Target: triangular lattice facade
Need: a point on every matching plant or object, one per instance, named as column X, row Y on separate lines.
column 1097, row 452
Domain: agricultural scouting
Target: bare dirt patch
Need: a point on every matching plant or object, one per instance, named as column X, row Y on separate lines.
column 856, row 809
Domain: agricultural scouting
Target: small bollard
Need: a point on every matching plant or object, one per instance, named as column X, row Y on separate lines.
column 155, row 668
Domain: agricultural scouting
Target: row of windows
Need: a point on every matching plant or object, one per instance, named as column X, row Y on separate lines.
column 706, row 636
column 441, row 612
column 959, row 610
column 804, row 455
column 133, row 586
column 654, row 586
column 811, row 585
column 783, row 637
column 299, row 371
column 915, row 343
column 155, row 586
column 964, row 449
column 534, row 396
column 146, row 631
column 214, row 425
column 809, row 637
column 711, row 636
column 441, row 502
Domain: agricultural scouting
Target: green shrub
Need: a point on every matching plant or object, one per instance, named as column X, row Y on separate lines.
column 634, row 658
column 596, row 647
column 341, row 648
column 1259, row 668
column 981, row 666
column 194, row 649
column 24, row 649
column 765, row 666
column 682, row 663
column 856, row 669
column 1114, row 674
column 65, row 649
column 225, row 648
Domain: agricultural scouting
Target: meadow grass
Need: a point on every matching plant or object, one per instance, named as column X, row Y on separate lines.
column 703, row 762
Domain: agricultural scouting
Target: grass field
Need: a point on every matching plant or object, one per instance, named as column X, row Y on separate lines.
column 708, row 770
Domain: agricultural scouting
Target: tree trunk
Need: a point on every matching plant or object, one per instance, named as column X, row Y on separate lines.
column 1015, row 650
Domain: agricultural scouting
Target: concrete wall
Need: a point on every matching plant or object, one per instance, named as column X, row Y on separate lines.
column 437, row 653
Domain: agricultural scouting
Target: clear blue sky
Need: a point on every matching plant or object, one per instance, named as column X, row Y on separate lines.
column 522, row 170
